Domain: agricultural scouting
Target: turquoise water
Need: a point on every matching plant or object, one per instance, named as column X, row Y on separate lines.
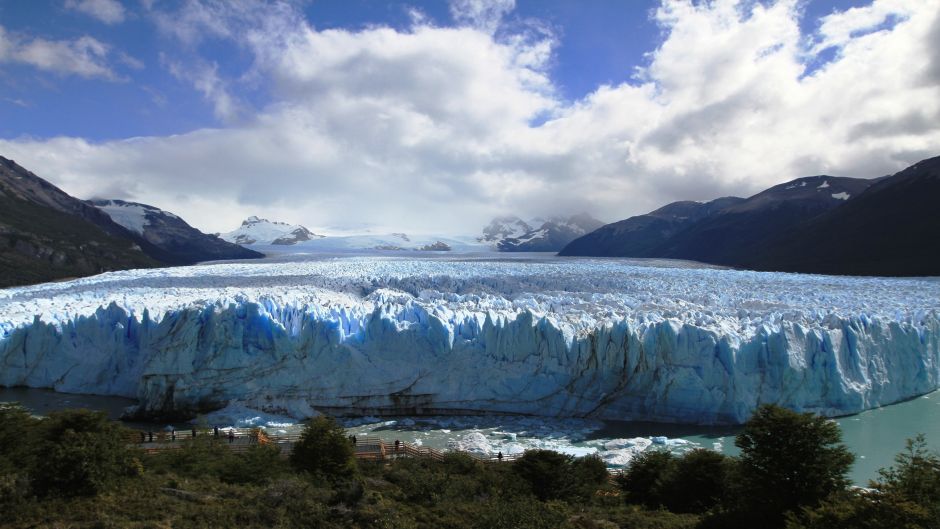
column 874, row 436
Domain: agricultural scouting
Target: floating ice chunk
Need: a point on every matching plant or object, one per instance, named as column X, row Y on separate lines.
column 472, row 442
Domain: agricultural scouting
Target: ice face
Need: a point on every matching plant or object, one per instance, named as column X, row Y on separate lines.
column 608, row 339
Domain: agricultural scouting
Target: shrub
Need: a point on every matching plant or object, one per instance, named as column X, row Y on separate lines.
column 642, row 481
column 587, row 474
column 546, row 472
column 915, row 476
column 16, row 426
column 789, row 461
column 80, row 453
column 324, row 449
column 695, row 482
column 859, row 509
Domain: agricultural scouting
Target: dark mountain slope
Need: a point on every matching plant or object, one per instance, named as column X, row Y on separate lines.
column 892, row 228
column 174, row 241
column 638, row 236
column 46, row 234
column 732, row 236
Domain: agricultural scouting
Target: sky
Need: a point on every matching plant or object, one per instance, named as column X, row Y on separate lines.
column 435, row 116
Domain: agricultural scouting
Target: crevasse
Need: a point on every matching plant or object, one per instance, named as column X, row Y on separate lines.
column 398, row 348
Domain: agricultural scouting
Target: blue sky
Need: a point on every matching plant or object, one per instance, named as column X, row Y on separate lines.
column 600, row 42
column 533, row 107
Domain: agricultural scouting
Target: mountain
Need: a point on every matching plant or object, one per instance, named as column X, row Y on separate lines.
column 638, row 236
column 731, row 235
column 46, row 234
column 889, row 229
column 512, row 234
column 174, row 241
column 394, row 242
column 256, row 230
column 727, row 231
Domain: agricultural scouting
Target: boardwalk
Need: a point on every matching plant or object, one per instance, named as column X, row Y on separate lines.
column 242, row 439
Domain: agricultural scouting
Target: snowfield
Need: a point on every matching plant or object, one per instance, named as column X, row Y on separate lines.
column 546, row 336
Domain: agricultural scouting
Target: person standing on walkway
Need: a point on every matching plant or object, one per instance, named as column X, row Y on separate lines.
column 231, row 435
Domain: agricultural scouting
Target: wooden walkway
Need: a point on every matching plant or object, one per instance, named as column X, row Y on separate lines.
column 242, row 439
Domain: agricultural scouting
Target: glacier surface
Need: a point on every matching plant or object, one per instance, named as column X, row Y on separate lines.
column 606, row 339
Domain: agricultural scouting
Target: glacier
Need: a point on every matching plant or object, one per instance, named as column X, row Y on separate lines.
column 606, row 339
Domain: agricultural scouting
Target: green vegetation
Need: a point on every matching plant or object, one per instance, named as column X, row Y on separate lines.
column 38, row 243
column 324, row 450
column 75, row 469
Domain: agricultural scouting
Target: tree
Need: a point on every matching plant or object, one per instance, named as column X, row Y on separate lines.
column 546, row 472
column 906, row 497
column 915, row 476
column 696, row 481
column 643, row 478
column 15, row 425
column 323, row 448
column 80, row 453
column 789, row 461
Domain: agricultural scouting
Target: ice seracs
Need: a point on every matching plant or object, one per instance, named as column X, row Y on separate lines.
column 596, row 338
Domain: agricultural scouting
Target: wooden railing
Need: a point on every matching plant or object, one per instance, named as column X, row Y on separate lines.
column 242, row 439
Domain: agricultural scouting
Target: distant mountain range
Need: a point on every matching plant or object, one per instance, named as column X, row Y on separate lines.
column 46, row 234
column 254, row 230
column 512, row 234
column 817, row 224
column 174, row 241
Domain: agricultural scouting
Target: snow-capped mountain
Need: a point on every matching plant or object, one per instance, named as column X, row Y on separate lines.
column 392, row 242
column 512, row 234
column 639, row 235
column 174, row 241
column 255, row 230
column 46, row 234
column 727, row 231
column 890, row 228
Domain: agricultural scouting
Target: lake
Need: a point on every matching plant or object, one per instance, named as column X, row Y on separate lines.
column 875, row 436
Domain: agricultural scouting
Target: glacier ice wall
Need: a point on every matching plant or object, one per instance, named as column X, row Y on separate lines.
column 560, row 338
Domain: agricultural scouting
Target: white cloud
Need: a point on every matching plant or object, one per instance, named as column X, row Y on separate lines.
column 84, row 56
column 431, row 128
column 484, row 15
column 205, row 78
column 107, row 11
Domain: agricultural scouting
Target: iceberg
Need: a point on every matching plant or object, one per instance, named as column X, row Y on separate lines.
column 621, row 340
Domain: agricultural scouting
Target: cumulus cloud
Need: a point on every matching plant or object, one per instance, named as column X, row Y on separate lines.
column 437, row 129
column 107, row 11
column 84, row 56
column 484, row 15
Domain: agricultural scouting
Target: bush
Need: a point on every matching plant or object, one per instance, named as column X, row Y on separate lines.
column 587, row 474
column 788, row 461
column 522, row 514
column 80, row 453
column 324, row 449
column 696, row 481
column 642, row 481
column 16, row 426
column 545, row 471
column 258, row 465
column 915, row 476
column 859, row 509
